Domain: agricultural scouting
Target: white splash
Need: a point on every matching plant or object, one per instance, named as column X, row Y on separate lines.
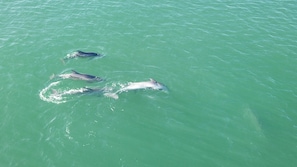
column 53, row 97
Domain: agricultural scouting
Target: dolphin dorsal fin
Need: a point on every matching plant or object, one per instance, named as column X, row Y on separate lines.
column 75, row 72
column 152, row 80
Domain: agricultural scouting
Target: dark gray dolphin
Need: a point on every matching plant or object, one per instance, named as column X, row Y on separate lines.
column 82, row 54
column 80, row 76
column 87, row 54
column 93, row 90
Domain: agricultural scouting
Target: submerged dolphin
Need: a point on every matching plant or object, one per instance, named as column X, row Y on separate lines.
column 82, row 54
column 80, row 76
column 83, row 90
column 151, row 84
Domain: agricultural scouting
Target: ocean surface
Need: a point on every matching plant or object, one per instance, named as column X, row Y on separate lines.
column 229, row 66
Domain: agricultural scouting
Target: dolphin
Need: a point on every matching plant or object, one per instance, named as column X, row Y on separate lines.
column 92, row 90
column 80, row 76
column 151, row 84
column 82, row 54
column 83, row 90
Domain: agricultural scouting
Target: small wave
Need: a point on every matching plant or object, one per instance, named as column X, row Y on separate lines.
column 71, row 55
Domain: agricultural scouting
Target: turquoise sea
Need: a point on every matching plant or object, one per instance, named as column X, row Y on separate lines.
column 230, row 68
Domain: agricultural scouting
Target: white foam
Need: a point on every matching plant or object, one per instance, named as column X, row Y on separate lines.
column 52, row 98
column 112, row 95
column 73, row 91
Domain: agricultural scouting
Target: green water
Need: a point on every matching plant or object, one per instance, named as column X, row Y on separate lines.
column 230, row 68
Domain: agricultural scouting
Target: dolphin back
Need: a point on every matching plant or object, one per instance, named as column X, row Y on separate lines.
column 75, row 72
column 87, row 54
